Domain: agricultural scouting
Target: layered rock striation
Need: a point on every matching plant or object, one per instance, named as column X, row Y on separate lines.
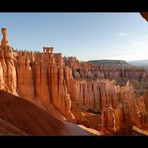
column 88, row 70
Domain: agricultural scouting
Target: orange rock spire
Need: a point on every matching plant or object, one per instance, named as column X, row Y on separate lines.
column 4, row 41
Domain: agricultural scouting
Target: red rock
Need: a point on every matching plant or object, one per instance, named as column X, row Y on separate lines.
column 108, row 119
column 87, row 70
column 8, row 129
column 20, row 117
column 4, row 41
column 25, row 78
column 144, row 15
column 141, row 104
column 124, row 123
column 129, row 96
column 144, row 119
column 146, row 100
column 9, row 79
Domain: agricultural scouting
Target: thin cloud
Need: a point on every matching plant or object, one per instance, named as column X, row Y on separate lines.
column 122, row 34
column 140, row 44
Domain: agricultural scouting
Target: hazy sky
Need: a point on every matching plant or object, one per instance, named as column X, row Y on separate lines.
column 84, row 35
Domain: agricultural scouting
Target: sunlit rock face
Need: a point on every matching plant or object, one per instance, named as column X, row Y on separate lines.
column 79, row 92
column 8, row 70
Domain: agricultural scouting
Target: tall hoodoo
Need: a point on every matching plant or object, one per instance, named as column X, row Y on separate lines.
column 4, row 41
column 8, row 66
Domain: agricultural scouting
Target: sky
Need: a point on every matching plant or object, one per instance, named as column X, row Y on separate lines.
column 87, row 36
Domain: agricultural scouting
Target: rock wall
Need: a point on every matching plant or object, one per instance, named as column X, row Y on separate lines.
column 116, row 106
column 38, row 77
column 86, row 70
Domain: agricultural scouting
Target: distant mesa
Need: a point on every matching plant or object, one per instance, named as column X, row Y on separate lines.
column 110, row 62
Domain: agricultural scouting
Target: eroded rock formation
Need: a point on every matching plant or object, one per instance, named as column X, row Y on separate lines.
column 86, row 70
column 79, row 92
column 8, row 70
